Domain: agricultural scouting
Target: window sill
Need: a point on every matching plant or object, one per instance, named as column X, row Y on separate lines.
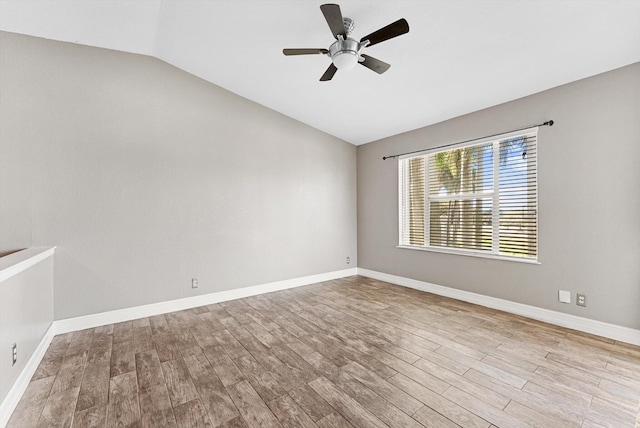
column 470, row 253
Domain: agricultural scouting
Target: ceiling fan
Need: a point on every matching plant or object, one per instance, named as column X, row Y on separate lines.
column 346, row 52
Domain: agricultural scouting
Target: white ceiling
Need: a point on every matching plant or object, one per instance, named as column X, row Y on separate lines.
column 459, row 56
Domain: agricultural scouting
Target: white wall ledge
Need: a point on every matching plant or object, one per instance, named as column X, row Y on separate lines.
column 20, row 261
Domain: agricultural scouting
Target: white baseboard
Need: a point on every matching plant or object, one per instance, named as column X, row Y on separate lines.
column 10, row 402
column 599, row 328
column 127, row 314
column 14, row 395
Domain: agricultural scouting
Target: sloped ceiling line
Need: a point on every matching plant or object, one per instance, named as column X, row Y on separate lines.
column 458, row 57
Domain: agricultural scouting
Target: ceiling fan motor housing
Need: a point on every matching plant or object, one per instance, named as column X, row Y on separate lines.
column 345, row 54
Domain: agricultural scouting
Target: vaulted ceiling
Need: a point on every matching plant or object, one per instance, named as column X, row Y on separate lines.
column 459, row 56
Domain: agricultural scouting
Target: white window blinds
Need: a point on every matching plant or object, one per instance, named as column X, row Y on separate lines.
column 473, row 198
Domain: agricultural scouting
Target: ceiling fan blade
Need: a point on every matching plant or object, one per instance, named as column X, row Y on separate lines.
column 304, row 51
column 328, row 75
column 395, row 29
column 375, row 64
column 333, row 16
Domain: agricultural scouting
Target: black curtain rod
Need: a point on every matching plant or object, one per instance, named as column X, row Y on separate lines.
column 547, row 123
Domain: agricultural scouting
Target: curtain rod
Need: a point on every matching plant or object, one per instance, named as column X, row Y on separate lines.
column 547, row 123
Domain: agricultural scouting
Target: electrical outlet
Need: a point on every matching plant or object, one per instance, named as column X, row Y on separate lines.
column 348, row 260
column 194, row 282
column 14, row 353
column 581, row 299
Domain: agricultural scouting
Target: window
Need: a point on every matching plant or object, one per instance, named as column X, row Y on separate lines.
column 477, row 198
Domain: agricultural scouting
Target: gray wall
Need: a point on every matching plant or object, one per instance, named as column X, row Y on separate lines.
column 589, row 203
column 26, row 312
column 144, row 176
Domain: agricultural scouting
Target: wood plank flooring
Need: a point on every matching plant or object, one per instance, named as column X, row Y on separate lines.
column 353, row 352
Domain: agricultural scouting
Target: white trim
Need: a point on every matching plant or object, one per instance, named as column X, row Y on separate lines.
column 495, row 200
column 8, row 405
column 426, row 221
column 16, row 391
column 469, row 252
column 68, row 325
column 127, row 314
column 495, row 195
column 403, row 212
column 20, row 261
column 599, row 328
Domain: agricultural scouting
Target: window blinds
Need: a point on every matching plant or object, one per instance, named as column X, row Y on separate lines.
column 477, row 197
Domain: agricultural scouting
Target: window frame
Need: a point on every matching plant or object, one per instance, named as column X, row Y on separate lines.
column 494, row 194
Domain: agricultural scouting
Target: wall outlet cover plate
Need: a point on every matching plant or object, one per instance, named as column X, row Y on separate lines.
column 564, row 296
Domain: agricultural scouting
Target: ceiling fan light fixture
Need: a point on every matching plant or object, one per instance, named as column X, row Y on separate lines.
column 345, row 60
column 345, row 53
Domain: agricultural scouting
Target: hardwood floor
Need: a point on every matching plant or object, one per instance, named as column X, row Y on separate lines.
column 350, row 352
